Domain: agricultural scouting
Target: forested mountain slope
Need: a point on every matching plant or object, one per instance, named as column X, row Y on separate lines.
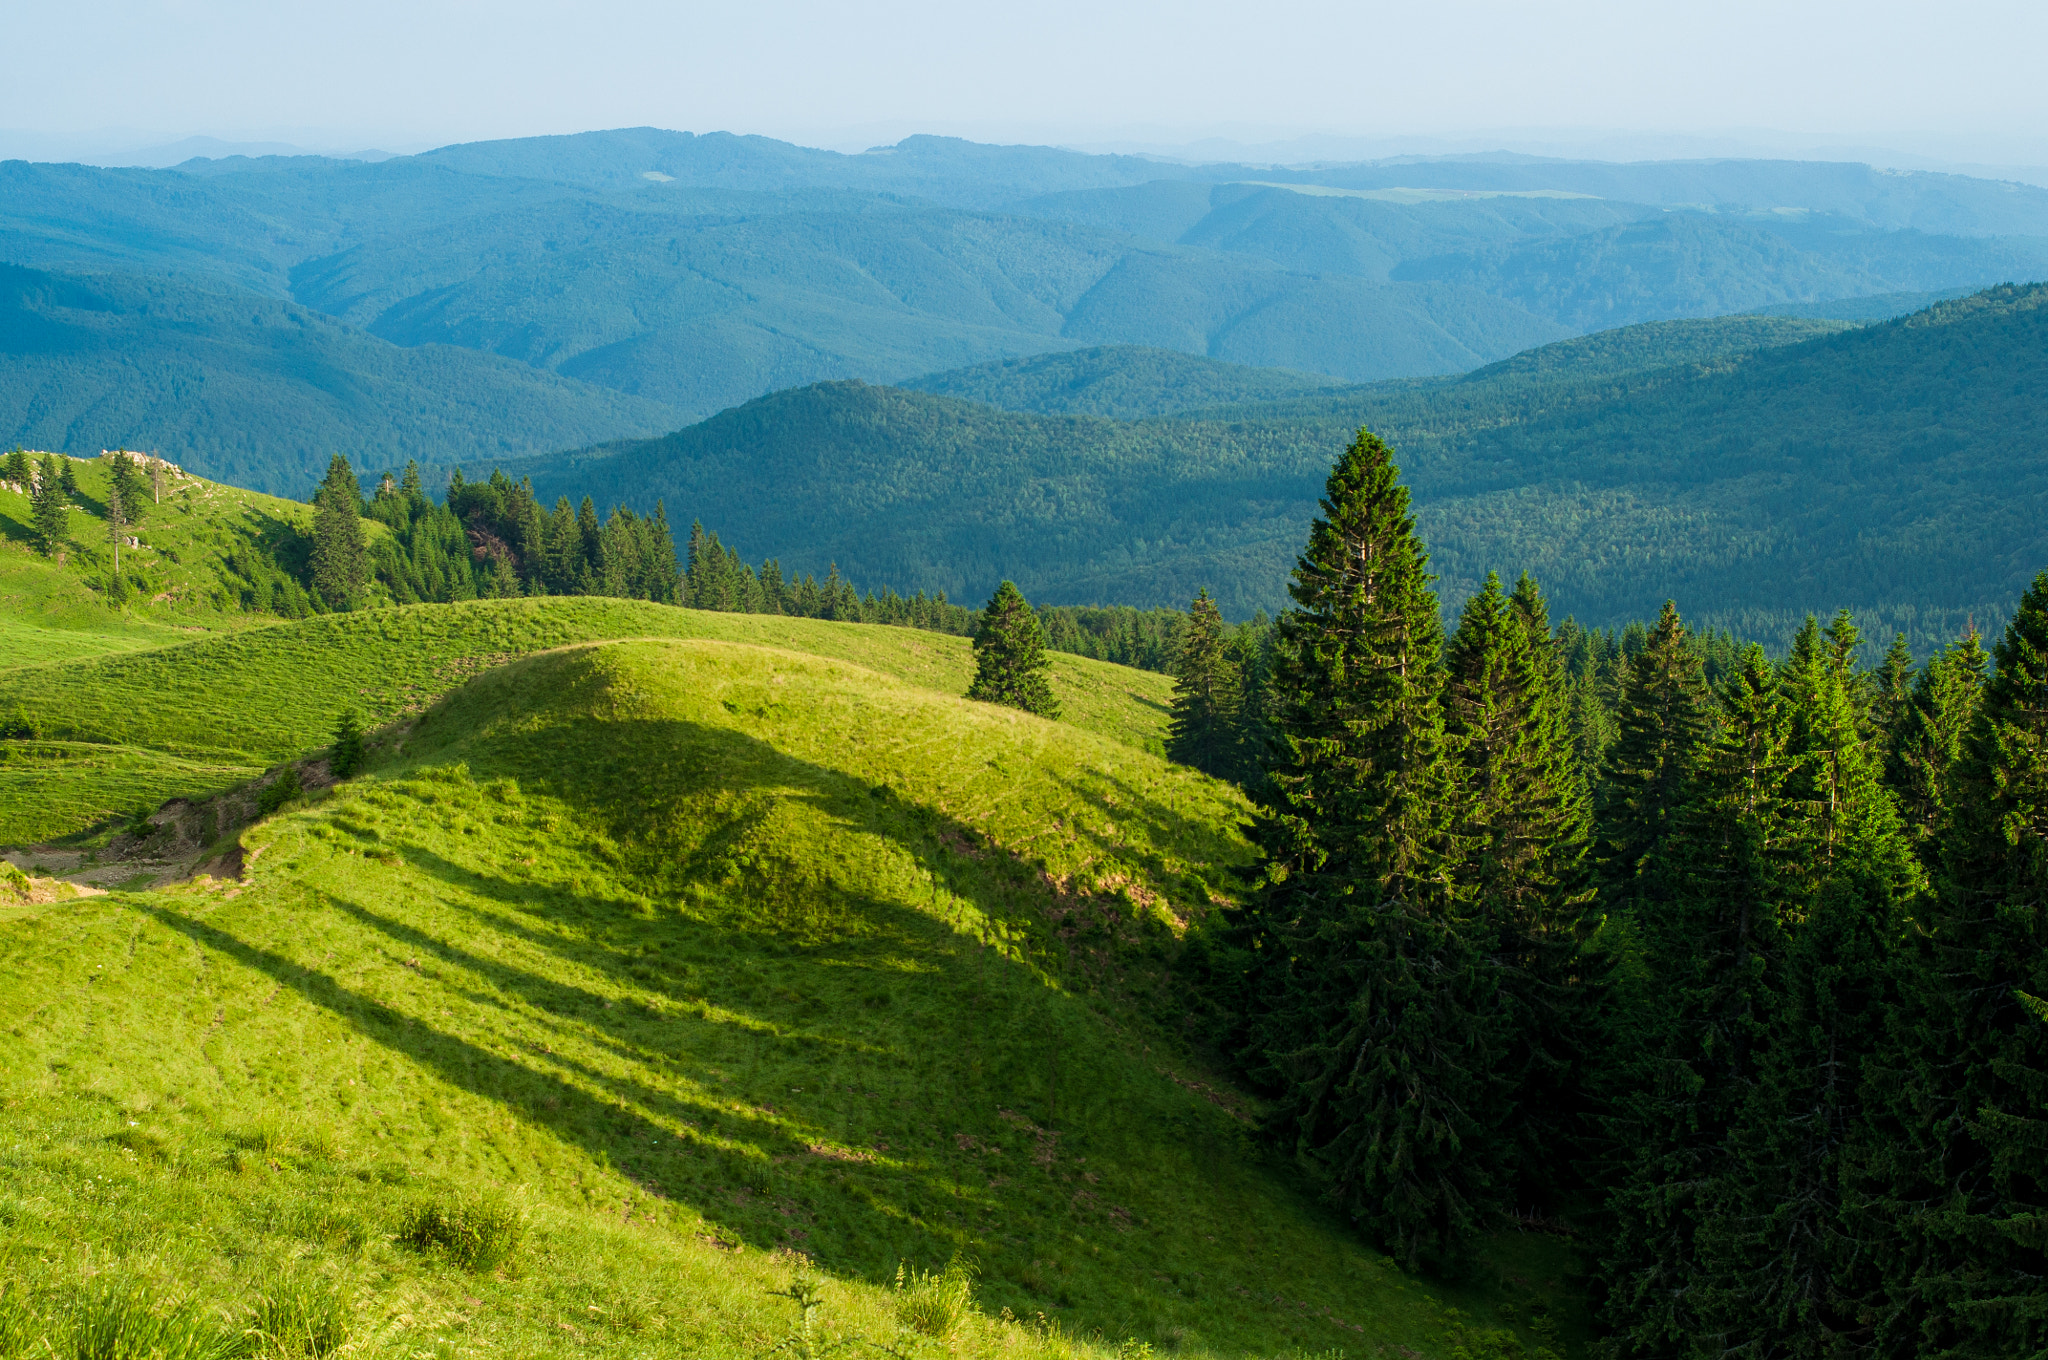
column 1894, row 469
column 261, row 392
column 1123, row 382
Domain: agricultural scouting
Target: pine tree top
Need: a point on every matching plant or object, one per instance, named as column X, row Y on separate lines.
column 1009, row 653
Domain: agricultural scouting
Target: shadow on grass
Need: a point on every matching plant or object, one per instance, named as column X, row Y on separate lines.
column 866, row 1079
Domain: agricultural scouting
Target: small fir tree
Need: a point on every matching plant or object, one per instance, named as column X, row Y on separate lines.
column 1203, row 729
column 341, row 561
column 345, row 757
column 126, row 486
column 1009, row 655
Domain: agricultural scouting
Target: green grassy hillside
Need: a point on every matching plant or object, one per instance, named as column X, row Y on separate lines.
column 180, row 716
column 636, row 977
column 177, row 583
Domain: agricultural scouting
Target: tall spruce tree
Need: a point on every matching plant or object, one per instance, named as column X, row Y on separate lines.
column 126, row 484
column 1784, row 1267
column 1523, row 833
column 1009, row 655
column 1957, row 1171
column 1929, row 737
column 341, row 561
column 1661, row 718
column 1203, row 729
column 1691, row 893
column 1370, row 1020
column 49, row 508
column 1891, row 689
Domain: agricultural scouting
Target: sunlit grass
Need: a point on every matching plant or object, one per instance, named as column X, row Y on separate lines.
column 702, row 961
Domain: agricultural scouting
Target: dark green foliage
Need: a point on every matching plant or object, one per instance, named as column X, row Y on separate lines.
column 1926, row 736
column 279, row 791
column 345, row 757
column 1368, row 1020
column 1207, row 696
column 1148, row 639
column 340, row 563
column 129, row 488
column 1780, row 1257
column 1009, row 656
column 1556, row 459
column 1522, row 831
column 1956, row 1177
column 50, row 507
column 1660, row 720
column 16, row 468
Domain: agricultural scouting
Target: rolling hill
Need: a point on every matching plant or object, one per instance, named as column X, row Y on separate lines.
column 1754, row 468
column 601, row 1009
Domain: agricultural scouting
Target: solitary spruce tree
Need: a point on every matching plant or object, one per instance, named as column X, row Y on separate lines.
column 126, row 487
column 49, row 508
column 1009, row 656
column 341, row 562
column 1203, row 731
column 1369, row 1020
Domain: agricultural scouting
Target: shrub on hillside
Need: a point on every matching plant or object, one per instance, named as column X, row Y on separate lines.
column 477, row 1234
column 346, row 756
column 935, row 1304
column 279, row 791
column 302, row 1316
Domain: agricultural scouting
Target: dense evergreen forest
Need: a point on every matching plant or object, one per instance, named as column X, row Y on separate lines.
column 1731, row 968
column 493, row 539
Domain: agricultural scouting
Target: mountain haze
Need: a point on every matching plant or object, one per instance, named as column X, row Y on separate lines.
column 700, row 271
column 262, row 392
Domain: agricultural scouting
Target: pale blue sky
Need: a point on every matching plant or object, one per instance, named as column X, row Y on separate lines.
column 1957, row 81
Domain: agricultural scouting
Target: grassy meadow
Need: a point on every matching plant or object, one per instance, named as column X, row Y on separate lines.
column 647, row 998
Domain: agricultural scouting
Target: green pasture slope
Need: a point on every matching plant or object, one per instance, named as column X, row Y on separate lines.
column 194, row 718
column 665, row 967
column 55, row 610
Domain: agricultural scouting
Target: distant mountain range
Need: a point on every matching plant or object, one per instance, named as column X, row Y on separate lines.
column 697, row 272
column 262, row 392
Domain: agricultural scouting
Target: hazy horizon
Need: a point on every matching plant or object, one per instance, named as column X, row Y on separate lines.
column 1888, row 83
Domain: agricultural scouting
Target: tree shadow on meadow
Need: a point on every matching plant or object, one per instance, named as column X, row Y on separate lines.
column 872, row 1063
